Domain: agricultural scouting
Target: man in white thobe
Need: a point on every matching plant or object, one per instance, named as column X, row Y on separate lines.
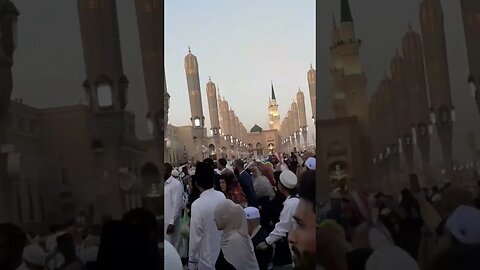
column 173, row 200
column 288, row 182
column 205, row 238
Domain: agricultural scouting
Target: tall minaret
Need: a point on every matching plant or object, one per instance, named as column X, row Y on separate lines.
column 213, row 107
column 195, row 95
column 302, row 116
column 225, row 116
column 438, row 77
column 350, row 97
column 233, row 127
column 312, row 78
column 149, row 20
column 273, row 115
column 296, row 122
column 471, row 15
column 291, row 127
column 105, row 85
column 239, row 133
column 106, row 89
column 416, row 87
column 213, row 112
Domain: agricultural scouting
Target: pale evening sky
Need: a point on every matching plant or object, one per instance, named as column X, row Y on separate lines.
column 242, row 45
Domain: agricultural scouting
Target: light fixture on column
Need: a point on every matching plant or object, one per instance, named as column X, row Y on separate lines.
column 150, row 125
column 473, row 86
column 433, row 117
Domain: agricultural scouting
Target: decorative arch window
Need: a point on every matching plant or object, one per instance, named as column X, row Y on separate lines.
column 196, row 122
column 104, row 92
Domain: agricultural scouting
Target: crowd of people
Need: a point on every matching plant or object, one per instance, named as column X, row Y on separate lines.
column 420, row 228
column 242, row 214
column 134, row 242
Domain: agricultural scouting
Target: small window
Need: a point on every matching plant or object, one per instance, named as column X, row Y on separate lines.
column 104, row 95
column 197, row 122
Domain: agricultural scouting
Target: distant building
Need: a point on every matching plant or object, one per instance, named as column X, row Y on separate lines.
column 228, row 137
column 87, row 156
column 342, row 142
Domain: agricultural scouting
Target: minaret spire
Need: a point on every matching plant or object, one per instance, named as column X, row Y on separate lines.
column 346, row 14
column 273, row 91
column 189, row 50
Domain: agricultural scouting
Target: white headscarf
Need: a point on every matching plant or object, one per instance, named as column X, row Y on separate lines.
column 172, row 259
column 237, row 246
column 392, row 258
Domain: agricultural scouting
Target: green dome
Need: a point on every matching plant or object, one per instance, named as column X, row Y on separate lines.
column 256, row 128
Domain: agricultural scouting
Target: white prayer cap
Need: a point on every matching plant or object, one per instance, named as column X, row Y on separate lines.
column 175, row 173
column 464, row 224
column 89, row 254
column 252, row 213
column 35, row 255
column 288, row 179
column 172, row 259
column 392, row 258
column 336, row 195
column 311, row 163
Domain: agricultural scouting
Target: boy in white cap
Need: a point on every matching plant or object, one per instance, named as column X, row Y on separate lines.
column 287, row 186
column 34, row 257
column 258, row 234
column 459, row 243
column 173, row 203
column 311, row 163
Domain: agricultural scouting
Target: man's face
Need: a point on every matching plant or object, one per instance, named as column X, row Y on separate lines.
column 223, row 185
column 302, row 237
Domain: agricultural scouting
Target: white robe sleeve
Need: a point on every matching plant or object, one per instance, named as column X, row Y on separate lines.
column 196, row 233
column 177, row 197
column 283, row 226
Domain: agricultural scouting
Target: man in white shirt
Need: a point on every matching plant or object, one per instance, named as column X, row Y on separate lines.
column 287, row 186
column 205, row 238
column 173, row 201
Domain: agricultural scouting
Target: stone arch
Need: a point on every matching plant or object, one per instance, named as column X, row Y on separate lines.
column 251, row 150
column 211, row 149
column 271, row 147
column 259, row 149
column 338, row 173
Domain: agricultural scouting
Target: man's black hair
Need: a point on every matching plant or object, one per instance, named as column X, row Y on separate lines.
column 209, row 161
column 168, row 168
column 222, row 162
column 204, row 175
column 306, row 187
column 239, row 162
